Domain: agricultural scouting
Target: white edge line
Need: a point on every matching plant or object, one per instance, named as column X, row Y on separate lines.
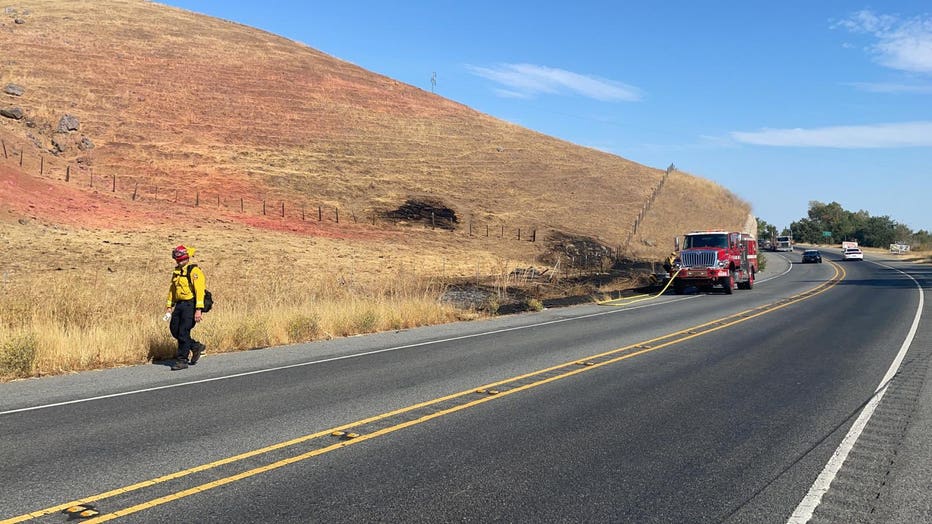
column 788, row 269
column 343, row 357
column 813, row 498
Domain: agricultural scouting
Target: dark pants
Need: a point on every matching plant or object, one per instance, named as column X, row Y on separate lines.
column 181, row 324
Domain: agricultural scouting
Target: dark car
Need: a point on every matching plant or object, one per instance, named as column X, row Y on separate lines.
column 812, row 255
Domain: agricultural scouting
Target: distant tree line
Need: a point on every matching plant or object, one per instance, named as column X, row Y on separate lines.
column 830, row 223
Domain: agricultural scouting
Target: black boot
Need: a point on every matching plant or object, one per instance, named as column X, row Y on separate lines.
column 196, row 352
column 181, row 363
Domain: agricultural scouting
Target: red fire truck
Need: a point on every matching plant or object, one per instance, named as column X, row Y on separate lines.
column 715, row 258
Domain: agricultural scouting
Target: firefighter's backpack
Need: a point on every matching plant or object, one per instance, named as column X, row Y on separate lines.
column 208, row 297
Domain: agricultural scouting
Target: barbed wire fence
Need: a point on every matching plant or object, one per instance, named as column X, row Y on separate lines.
column 136, row 189
column 642, row 214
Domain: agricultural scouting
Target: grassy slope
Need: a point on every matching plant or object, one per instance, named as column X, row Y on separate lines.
column 196, row 104
column 182, row 107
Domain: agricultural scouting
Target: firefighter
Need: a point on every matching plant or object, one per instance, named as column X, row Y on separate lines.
column 668, row 263
column 184, row 306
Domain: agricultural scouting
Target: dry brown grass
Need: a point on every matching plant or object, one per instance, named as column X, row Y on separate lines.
column 79, row 299
column 915, row 257
column 919, row 257
column 181, row 106
column 689, row 203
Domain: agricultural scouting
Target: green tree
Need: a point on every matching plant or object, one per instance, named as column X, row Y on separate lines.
column 765, row 230
column 831, row 217
column 860, row 223
column 902, row 233
column 921, row 239
column 806, row 230
column 880, row 231
column 868, row 230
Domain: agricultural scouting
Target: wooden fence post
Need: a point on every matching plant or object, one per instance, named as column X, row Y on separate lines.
column 263, row 207
column 283, row 209
column 135, row 190
column 320, row 214
column 519, row 233
column 68, row 173
column 113, row 189
column 534, row 236
column 41, row 165
column 20, row 158
column 433, row 222
column 241, row 208
column 4, row 149
column 337, row 210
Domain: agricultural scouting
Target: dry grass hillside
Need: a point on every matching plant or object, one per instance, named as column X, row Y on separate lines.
column 129, row 127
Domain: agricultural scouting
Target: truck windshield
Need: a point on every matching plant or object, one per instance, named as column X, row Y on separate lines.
column 707, row 240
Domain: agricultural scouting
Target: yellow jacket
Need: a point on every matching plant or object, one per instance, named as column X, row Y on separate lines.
column 180, row 290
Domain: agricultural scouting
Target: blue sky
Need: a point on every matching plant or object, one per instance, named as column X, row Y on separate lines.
column 781, row 102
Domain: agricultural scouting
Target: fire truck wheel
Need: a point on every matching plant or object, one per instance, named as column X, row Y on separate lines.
column 728, row 284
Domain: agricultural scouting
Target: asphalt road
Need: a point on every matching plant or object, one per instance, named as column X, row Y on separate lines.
column 696, row 408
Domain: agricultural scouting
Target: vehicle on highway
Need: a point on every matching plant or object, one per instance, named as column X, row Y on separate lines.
column 812, row 255
column 853, row 253
column 783, row 243
column 715, row 258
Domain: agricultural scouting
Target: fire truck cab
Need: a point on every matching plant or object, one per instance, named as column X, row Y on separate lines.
column 715, row 258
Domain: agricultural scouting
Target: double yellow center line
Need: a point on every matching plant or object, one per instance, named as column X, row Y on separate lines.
column 376, row 426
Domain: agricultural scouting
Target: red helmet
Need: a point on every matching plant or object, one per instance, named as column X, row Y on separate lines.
column 180, row 253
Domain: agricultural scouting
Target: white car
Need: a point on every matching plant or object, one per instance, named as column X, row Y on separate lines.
column 853, row 253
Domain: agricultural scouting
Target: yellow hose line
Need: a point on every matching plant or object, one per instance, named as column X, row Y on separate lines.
column 629, row 300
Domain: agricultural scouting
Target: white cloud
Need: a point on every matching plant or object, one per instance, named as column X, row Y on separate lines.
column 905, row 134
column 507, row 93
column 528, row 80
column 901, row 44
